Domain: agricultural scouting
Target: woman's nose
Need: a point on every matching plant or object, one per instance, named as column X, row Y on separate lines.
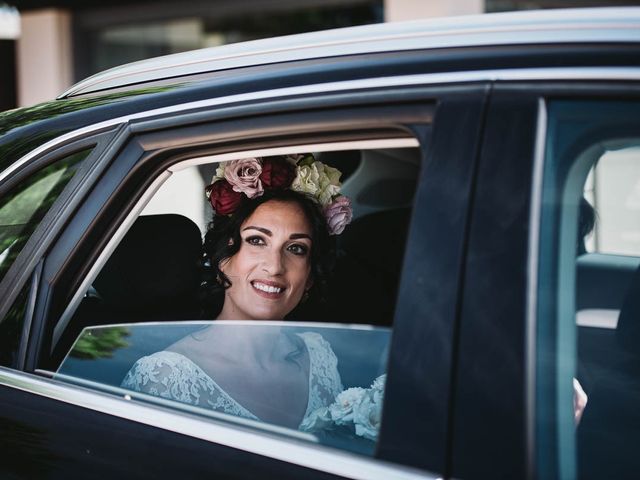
column 274, row 263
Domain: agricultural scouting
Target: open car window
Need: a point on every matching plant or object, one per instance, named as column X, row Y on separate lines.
column 138, row 327
column 227, row 369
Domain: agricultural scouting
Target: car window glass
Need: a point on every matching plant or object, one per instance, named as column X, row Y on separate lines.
column 160, row 272
column 588, row 310
column 22, row 209
column 613, row 188
column 324, row 381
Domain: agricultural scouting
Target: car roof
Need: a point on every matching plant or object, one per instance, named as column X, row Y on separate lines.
column 563, row 26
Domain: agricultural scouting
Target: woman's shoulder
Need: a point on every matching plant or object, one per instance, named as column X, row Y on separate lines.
column 163, row 367
column 323, row 363
column 164, row 358
column 315, row 341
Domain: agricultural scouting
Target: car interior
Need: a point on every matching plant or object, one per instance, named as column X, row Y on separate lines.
column 155, row 271
column 608, row 317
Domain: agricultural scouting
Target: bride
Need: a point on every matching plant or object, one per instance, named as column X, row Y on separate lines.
column 268, row 246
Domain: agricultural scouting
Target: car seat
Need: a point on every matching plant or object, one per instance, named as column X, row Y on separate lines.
column 153, row 275
column 364, row 285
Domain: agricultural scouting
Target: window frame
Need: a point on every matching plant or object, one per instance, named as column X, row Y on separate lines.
column 397, row 109
column 22, row 269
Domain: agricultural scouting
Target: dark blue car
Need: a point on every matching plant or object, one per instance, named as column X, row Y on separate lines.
column 485, row 301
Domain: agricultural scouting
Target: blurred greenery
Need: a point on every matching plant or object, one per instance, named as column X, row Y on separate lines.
column 100, row 343
column 22, row 209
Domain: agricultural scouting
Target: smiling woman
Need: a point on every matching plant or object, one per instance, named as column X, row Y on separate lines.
column 265, row 247
column 270, row 301
column 267, row 256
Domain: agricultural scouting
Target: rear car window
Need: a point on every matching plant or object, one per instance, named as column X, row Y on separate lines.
column 588, row 321
column 22, row 208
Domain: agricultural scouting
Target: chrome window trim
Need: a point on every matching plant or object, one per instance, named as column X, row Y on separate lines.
column 612, row 25
column 537, row 74
column 532, row 285
column 316, row 457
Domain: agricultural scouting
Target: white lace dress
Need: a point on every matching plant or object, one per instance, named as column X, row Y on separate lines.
column 173, row 376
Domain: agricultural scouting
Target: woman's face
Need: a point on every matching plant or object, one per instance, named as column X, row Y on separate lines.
column 271, row 271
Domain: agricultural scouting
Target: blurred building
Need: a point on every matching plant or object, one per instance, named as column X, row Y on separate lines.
column 63, row 41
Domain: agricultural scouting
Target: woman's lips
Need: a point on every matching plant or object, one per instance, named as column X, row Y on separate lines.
column 267, row 289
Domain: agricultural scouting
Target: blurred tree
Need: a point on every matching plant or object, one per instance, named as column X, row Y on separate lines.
column 100, row 343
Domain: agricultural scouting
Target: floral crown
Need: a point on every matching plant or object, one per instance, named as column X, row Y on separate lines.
column 302, row 173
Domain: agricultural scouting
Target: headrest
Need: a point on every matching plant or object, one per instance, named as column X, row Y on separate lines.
column 628, row 330
column 362, row 240
column 155, row 265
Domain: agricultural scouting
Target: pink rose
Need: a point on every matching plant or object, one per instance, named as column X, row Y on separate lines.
column 338, row 214
column 223, row 198
column 244, row 176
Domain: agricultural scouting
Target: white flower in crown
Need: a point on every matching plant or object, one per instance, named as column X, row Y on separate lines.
column 219, row 173
column 318, row 180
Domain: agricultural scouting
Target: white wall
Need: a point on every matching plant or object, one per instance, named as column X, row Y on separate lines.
column 397, row 10
column 44, row 55
column 9, row 23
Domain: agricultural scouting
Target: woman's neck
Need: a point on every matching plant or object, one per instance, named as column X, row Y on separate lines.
column 258, row 343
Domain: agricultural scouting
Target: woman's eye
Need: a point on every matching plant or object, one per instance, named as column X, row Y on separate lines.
column 297, row 249
column 254, row 241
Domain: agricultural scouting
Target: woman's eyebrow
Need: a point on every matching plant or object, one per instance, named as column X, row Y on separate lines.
column 295, row 236
column 260, row 229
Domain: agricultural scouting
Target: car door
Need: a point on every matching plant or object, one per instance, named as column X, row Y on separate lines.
column 57, row 428
column 539, row 312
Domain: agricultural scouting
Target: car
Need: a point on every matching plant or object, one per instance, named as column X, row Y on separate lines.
column 489, row 275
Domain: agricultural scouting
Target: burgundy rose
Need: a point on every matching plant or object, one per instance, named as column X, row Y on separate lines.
column 223, row 198
column 277, row 173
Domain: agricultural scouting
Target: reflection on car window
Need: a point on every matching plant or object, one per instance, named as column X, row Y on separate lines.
column 324, row 380
column 22, row 209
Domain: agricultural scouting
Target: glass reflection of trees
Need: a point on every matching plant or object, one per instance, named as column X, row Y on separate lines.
column 22, row 209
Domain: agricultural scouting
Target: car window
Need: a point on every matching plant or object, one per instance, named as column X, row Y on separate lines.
column 613, row 189
column 231, row 368
column 321, row 375
column 588, row 311
column 22, row 208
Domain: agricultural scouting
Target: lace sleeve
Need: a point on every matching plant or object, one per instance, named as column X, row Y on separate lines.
column 173, row 376
column 167, row 375
column 324, row 379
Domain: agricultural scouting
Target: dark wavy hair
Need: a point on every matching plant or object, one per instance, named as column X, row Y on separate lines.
column 218, row 248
